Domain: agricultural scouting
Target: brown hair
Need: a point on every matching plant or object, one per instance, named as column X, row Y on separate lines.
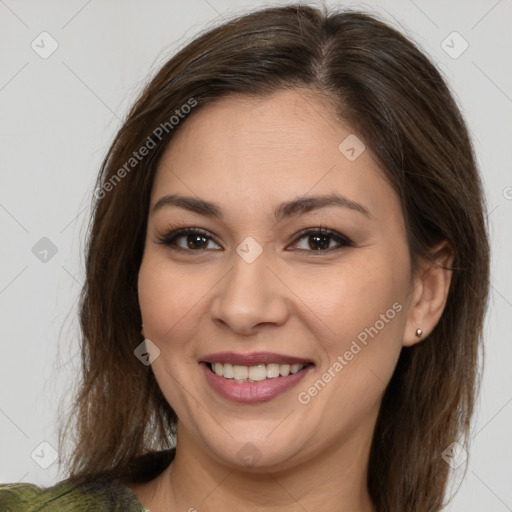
column 391, row 95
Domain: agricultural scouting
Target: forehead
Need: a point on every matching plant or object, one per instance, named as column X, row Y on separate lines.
column 249, row 151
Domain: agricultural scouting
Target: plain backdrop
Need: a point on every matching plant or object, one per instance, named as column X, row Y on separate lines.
column 68, row 72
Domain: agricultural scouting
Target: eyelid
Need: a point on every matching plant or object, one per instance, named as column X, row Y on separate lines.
column 172, row 234
column 340, row 237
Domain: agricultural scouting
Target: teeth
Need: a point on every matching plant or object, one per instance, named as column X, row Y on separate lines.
column 218, row 369
column 240, row 372
column 255, row 373
column 294, row 368
column 227, row 371
column 272, row 371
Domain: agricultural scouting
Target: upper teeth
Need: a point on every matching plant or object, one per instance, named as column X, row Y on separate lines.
column 255, row 373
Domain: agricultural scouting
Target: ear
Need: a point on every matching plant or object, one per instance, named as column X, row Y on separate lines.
column 430, row 288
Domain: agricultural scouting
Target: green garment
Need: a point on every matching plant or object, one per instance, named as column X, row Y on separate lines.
column 100, row 494
column 93, row 496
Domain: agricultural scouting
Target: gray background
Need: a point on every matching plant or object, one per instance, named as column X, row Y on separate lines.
column 58, row 116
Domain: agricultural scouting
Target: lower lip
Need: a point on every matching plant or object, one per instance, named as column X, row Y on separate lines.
column 253, row 392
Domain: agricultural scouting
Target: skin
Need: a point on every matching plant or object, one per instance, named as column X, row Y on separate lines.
column 249, row 155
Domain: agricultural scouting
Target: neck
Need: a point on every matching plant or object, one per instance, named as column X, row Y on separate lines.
column 334, row 481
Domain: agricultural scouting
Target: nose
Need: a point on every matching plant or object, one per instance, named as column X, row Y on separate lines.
column 249, row 296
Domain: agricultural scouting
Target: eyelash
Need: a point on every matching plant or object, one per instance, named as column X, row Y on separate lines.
column 170, row 238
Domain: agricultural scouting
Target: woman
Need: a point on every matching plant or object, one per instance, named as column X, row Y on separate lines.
column 287, row 275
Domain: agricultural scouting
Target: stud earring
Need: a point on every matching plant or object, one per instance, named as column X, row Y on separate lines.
column 419, row 332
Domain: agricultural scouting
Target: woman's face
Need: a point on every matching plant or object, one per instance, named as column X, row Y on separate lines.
column 256, row 296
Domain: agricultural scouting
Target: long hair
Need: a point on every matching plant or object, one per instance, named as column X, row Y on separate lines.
column 379, row 83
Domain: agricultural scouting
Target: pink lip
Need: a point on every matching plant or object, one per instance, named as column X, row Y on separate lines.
column 252, row 359
column 252, row 392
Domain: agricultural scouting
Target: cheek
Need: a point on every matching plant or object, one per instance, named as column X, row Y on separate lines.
column 365, row 314
column 358, row 298
column 365, row 310
column 165, row 297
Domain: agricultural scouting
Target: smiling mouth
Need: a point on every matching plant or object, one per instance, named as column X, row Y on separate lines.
column 257, row 373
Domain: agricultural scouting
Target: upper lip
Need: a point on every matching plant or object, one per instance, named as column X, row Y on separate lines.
column 253, row 359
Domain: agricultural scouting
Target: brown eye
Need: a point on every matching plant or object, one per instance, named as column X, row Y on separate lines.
column 193, row 239
column 320, row 239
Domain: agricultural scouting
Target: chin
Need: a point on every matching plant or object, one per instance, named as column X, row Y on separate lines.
column 259, row 454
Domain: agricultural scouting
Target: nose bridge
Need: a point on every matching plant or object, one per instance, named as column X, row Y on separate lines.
column 250, row 293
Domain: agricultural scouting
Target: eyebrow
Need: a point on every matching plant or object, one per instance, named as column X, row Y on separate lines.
column 287, row 209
